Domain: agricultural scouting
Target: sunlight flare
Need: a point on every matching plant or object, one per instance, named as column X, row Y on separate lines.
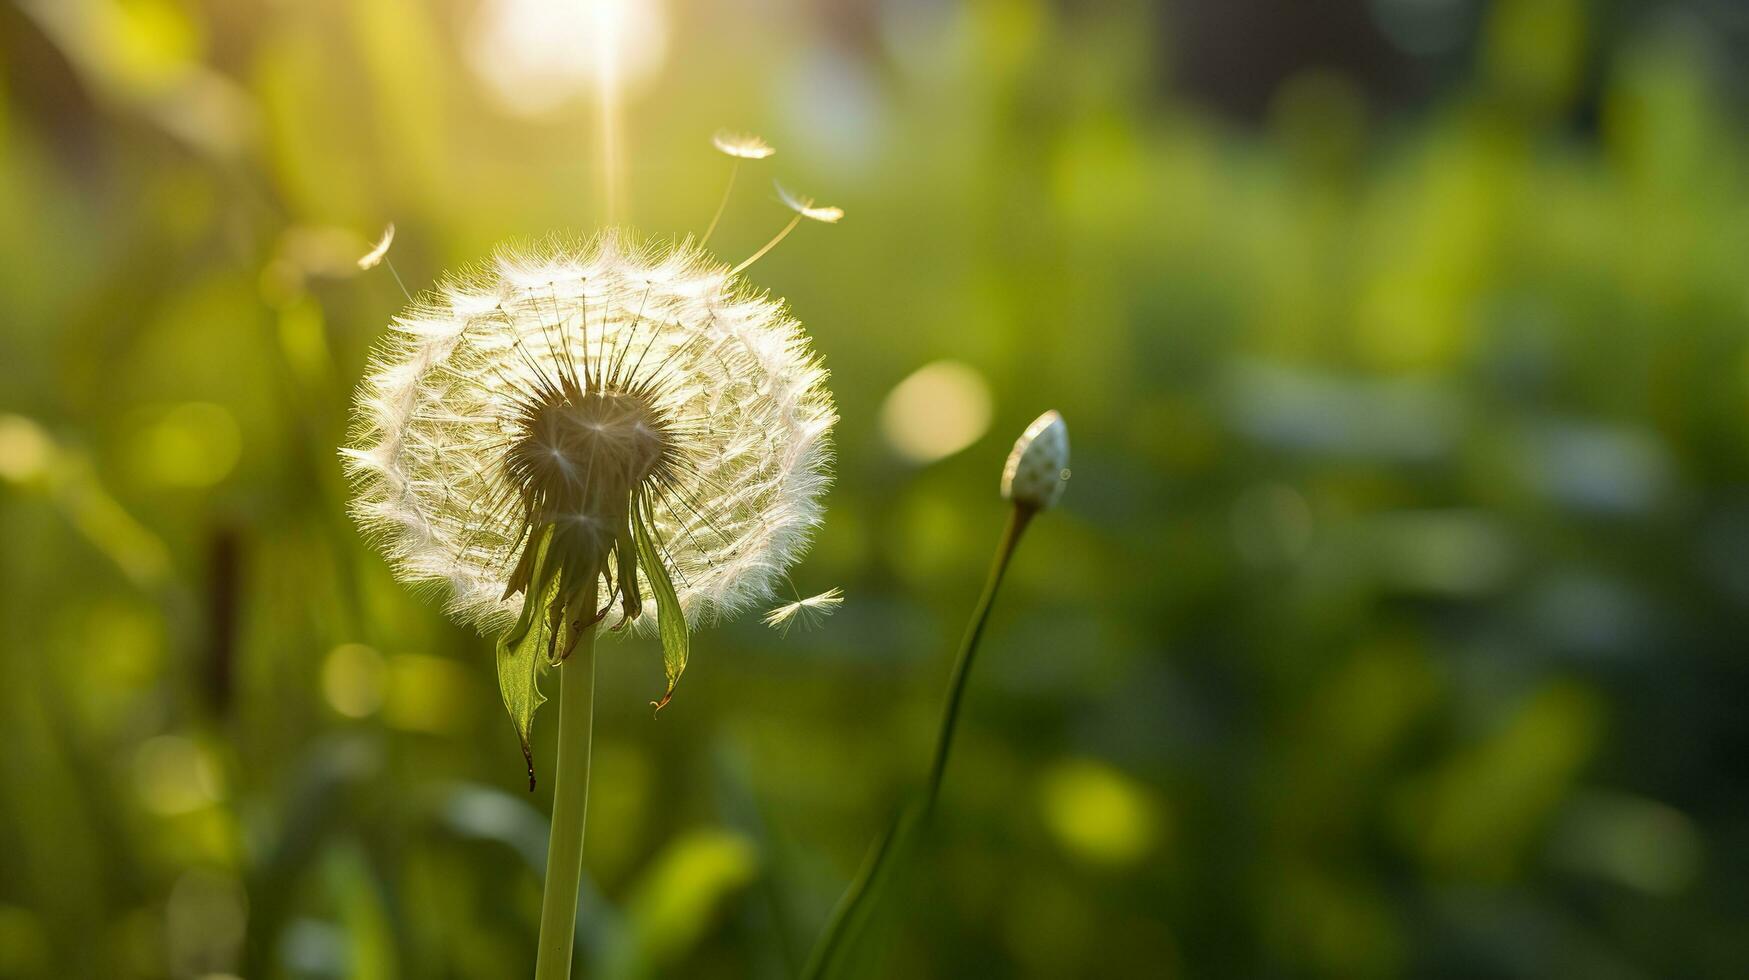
column 535, row 55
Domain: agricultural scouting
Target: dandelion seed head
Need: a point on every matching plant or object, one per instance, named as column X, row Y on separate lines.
column 1038, row 468
column 806, row 207
column 560, row 385
column 743, row 146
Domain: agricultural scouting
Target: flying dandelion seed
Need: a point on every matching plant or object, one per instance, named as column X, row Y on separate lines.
column 739, row 146
column 742, row 146
column 805, row 207
column 807, row 612
column 374, row 257
column 609, row 412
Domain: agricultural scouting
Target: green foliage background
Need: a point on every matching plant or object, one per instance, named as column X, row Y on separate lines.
column 1392, row 623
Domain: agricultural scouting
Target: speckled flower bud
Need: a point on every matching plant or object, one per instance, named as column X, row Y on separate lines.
column 1038, row 468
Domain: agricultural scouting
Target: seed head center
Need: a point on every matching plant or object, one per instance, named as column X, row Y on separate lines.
column 582, row 455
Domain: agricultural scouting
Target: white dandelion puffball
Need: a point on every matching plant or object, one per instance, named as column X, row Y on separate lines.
column 615, row 399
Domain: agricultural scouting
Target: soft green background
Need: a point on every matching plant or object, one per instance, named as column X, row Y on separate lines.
column 1392, row 624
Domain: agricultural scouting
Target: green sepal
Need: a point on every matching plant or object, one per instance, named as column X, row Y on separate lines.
column 670, row 620
column 631, row 603
column 522, row 656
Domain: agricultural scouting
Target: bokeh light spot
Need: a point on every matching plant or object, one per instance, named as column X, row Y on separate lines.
column 204, row 921
column 682, row 893
column 173, row 776
column 939, row 410
column 1098, row 813
column 354, row 678
column 192, row 445
column 25, row 450
column 1638, row 842
column 428, row 694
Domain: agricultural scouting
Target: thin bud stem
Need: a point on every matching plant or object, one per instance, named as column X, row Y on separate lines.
column 734, row 168
column 756, row 256
column 1018, row 518
column 891, row 851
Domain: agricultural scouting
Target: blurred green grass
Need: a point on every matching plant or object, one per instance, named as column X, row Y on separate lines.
column 1391, row 624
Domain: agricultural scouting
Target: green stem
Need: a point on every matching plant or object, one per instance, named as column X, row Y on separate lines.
column 558, row 911
column 897, row 838
column 1018, row 518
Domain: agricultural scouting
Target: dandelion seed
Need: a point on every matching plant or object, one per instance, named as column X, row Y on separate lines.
column 611, row 413
column 742, row 146
column 370, row 259
column 808, row 612
column 804, row 208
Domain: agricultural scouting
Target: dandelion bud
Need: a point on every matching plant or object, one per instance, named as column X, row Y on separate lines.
column 1038, row 468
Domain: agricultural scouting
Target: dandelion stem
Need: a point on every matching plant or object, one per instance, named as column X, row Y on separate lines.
column 756, row 256
column 1018, row 518
column 734, row 168
column 558, row 915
